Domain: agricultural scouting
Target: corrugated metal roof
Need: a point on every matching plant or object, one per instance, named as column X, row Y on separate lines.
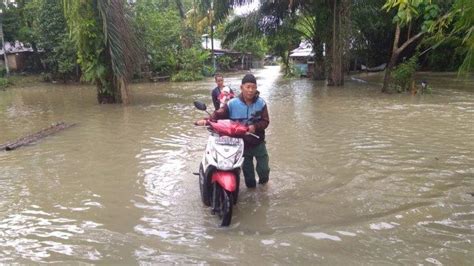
column 305, row 49
column 16, row 47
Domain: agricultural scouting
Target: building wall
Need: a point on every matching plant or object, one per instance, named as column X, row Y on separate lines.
column 12, row 62
column 16, row 61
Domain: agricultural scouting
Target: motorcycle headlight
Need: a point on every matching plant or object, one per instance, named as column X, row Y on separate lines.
column 224, row 164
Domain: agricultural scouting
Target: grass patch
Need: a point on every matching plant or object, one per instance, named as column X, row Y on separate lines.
column 20, row 80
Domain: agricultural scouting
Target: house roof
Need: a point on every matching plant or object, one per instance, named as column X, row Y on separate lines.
column 16, row 47
column 305, row 49
column 218, row 50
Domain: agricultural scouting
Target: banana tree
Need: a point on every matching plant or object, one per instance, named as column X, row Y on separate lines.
column 106, row 46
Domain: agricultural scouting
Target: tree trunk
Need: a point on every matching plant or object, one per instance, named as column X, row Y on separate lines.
column 336, row 73
column 396, row 51
column 393, row 60
column 388, row 71
column 124, row 91
column 179, row 4
column 318, row 72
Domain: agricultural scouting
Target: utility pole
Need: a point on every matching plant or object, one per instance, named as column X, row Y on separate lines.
column 211, row 15
column 5, row 57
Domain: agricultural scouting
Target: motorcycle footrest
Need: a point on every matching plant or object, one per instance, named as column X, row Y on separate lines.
column 195, row 173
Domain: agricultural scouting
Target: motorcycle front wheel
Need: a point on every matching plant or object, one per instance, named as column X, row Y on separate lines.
column 226, row 202
column 204, row 187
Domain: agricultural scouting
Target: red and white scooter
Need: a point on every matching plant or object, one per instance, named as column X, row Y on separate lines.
column 219, row 170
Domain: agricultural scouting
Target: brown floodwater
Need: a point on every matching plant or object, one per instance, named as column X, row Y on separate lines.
column 357, row 177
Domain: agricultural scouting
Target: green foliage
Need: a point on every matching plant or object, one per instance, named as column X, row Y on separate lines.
column 458, row 23
column 59, row 52
column 446, row 56
column 192, row 59
column 464, row 11
column 409, row 10
column 85, row 30
column 29, row 21
column 3, row 71
column 372, row 32
column 3, row 82
column 106, row 46
column 224, row 62
column 10, row 21
column 19, row 20
column 403, row 74
column 160, row 29
column 248, row 44
column 185, row 75
column 191, row 64
column 282, row 41
column 293, row 72
column 208, row 71
column 243, row 34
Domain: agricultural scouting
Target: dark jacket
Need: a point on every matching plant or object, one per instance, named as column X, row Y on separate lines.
column 254, row 114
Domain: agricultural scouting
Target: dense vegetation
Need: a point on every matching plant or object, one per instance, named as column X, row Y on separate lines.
column 109, row 42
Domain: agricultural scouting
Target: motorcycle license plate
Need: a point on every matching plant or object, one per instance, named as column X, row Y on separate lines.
column 225, row 140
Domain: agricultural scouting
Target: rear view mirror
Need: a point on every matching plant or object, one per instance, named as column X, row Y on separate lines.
column 200, row 105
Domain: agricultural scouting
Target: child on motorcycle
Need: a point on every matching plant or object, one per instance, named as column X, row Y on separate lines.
column 225, row 96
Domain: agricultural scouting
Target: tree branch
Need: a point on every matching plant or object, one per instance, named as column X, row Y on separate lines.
column 409, row 41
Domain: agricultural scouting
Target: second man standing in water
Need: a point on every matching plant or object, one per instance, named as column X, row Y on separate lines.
column 216, row 92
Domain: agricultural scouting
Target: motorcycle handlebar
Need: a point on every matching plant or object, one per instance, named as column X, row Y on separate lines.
column 253, row 135
column 208, row 126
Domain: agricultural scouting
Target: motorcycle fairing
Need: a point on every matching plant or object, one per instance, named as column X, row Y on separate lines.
column 229, row 128
column 227, row 180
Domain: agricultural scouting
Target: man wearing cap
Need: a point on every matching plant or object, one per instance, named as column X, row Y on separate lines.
column 251, row 110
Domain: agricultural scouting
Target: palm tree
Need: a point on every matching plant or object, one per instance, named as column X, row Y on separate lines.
column 312, row 18
column 106, row 46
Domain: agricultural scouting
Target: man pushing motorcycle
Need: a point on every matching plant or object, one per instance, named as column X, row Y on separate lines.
column 251, row 110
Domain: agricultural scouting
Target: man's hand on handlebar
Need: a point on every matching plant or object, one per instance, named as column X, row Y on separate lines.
column 201, row 122
column 251, row 129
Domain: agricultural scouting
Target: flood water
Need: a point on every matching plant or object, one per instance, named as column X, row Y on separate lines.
column 357, row 177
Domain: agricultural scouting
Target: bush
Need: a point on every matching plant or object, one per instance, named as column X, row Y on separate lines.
column 448, row 56
column 3, row 71
column 208, row 71
column 163, row 61
column 293, row 71
column 403, row 74
column 224, row 62
column 191, row 65
column 185, row 75
column 3, row 82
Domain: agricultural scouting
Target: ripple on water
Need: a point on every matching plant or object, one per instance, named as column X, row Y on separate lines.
column 36, row 235
column 323, row 236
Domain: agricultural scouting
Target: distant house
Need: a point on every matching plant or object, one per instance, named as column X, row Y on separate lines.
column 17, row 55
column 241, row 60
column 303, row 58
